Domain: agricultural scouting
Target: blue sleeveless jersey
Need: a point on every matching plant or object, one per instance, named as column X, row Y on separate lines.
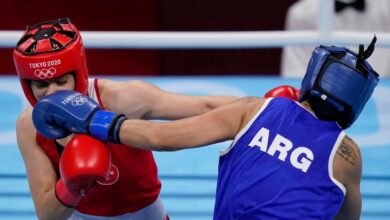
column 280, row 167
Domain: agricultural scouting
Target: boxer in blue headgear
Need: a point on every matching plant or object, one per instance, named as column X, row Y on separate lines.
column 289, row 160
column 339, row 82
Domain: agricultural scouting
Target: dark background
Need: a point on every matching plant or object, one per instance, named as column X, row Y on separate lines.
column 158, row 15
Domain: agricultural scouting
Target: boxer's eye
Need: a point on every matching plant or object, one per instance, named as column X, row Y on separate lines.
column 61, row 82
column 39, row 84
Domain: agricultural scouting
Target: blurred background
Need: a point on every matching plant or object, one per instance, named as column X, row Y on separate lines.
column 158, row 15
column 189, row 177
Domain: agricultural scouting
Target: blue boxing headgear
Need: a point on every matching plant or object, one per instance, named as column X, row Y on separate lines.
column 340, row 81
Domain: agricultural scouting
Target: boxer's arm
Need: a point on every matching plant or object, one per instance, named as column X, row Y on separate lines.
column 214, row 126
column 59, row 114
column 138, row 99
column 41, row 175
column 347, row 168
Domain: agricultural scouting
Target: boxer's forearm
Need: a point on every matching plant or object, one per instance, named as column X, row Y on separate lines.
column 213, row 102
column 140, row 134
column 214, row 126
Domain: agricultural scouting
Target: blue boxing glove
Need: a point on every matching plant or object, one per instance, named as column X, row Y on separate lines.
column 62, row 113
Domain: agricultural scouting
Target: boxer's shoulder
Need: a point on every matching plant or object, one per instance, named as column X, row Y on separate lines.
column 25, row 130
column 24, row 120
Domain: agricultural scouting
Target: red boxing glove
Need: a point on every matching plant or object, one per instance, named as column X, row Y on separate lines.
column 84, row 161
column 284, row 91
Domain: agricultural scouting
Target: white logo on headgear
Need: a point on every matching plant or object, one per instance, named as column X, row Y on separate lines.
column 79, row 101
column 45, row 73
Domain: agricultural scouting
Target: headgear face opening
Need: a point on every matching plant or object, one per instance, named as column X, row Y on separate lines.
column 341, row 79
column 48, row 51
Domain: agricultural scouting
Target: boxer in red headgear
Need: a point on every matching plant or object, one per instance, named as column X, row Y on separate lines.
column 50, row 57
column 48, row 51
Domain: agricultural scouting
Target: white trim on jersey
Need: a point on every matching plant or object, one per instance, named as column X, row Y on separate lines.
column 331, row 159
column 303, row 107
column 240, row 133
column 92, row 90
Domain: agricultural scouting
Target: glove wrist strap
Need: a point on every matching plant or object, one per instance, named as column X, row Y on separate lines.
column 105, row 126
column 115, row 130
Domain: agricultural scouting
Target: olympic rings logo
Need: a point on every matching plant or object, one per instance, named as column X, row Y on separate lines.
column 45, row 73
column 79, row 101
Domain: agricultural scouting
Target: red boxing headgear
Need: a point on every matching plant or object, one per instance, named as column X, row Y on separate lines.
column 50, row 50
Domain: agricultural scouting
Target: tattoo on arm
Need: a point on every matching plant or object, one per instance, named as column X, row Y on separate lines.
column 347, row 152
